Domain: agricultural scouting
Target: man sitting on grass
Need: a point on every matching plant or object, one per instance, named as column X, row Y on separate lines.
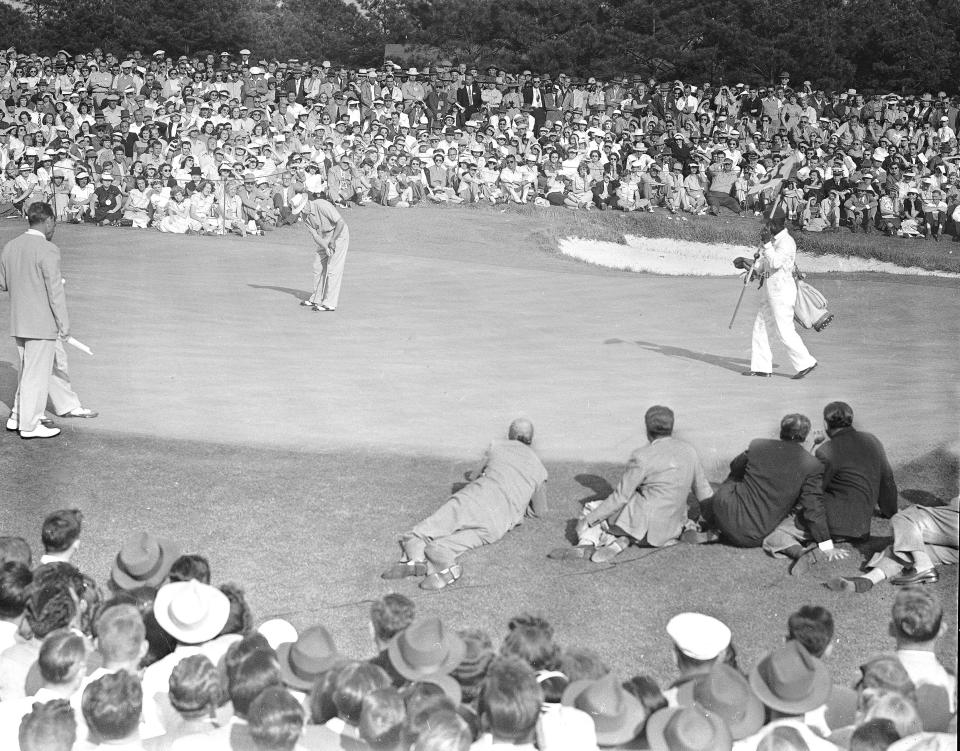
column 508, row 485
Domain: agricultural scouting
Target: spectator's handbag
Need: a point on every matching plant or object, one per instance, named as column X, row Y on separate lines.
column 810, row 309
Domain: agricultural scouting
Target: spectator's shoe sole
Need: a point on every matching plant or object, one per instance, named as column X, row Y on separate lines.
column 857, row 584
column 693, row 537
column 441, row 579
column 577, row 552
column 402, row 570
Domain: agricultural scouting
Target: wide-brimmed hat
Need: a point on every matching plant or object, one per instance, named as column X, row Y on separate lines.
column 791, row 680
column 310, row 655
column 687, row 729
column 191, row 612
column 724, row 692
column 618, row 716
column 424, row 648
column 143, row 560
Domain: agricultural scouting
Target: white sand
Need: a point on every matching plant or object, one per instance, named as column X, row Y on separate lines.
column 686, row 258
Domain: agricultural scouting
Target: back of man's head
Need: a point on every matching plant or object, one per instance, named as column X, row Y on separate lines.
column 794, row 427
column 446, row 731
column 259, row 671
column 812, row 626
column 39, row 213
column 659, row 421
column 382, row 717
column 61, row 530
column 196, row 688
column 121, row 635
column 916, row 615
column 62, row 657
column 582, row 663
column 874, row 735
column 391, row 614
column 111, row 706
column 276, row 720
column 241, row 650
column 837, row 415
column 521, row 430
column 15, row 579
column 531, row 639
column 48, row 608
column 899, row 710
column 510, row 700
column 354, row 682
column 190, row 566
column 49, row 727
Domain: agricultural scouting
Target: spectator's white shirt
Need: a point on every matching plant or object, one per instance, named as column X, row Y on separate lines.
column 924, row 668
column 945, row 133
column 8, row 635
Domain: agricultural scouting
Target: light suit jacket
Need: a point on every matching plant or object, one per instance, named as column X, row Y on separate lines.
column 30, row 271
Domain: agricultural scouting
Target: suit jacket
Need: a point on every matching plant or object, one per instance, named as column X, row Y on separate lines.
column 30, row 271
column 462, row 97
column 857, row 478
column 766, row 481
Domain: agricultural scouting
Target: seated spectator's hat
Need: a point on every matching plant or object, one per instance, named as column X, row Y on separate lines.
column 699, row 636
column 244, row 52
column 687, row 729
column 725, row 693
column 927, row 97
column 191, row 612
column 790, row 680
column 159, row 53
column 82, row 175
column 143, row 560
column 424, row 648
column 617, row 715
column 306, row 658
column 864, row 187
column 26, row 167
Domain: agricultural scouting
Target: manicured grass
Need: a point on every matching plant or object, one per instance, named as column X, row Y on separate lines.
column 307, row 533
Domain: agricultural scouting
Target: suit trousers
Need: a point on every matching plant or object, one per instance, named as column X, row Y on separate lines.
column 933, row 530
column 448, row 532
column 776, row 314
column 328, row 274
column 43, row 374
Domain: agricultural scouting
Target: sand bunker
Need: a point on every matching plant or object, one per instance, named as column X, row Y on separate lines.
column 685, row 258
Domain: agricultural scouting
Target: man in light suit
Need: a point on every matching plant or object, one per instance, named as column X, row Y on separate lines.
column 30, row 271
column 649, row 506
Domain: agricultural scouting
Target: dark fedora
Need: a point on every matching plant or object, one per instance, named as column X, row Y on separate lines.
column 143, row 561
column 687, row 729
column 424, row 648
column 791, row 680
column 726, row 693
column 310, row 655
column 618, row 716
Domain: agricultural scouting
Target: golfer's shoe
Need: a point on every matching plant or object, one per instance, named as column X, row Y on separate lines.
column 41, row 431
column 823, row 322
column 322, row 309
column 805, row 372
column 14, row 424
column 757, row 373
column 568, row 553
column 306, row 304
column 403, row 569
column 441, row 579
column 81, row 412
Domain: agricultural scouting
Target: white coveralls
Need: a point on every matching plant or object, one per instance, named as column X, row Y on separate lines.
column 776, row 311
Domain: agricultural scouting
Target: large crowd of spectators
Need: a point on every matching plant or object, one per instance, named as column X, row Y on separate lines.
column 229, row 143
column 160, row 658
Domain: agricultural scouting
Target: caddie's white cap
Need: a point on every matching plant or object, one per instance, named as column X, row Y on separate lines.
column 698, row 636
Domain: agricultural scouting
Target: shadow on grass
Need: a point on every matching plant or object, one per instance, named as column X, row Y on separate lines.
column 733, row 364
column 300, row 294
column 8, row 382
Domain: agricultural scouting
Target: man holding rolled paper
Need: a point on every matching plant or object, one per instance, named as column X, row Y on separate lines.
column 30, row 272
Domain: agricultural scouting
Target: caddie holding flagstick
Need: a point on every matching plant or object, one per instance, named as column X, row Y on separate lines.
column 774, row 265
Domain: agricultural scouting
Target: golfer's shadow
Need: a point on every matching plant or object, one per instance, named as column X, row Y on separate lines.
column 300, row 294
column 8, row 382
column 734, row 364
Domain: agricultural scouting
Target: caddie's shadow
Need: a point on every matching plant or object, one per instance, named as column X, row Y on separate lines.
column 599, row 489
column 300, row 294
column 734, row 364
column 8, row 382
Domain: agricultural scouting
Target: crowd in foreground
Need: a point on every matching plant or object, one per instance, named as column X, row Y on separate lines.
column 228, row 143
column 160, row 658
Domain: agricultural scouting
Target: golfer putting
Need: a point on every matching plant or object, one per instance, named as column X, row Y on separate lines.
column 774, row 264
column 332, row 237
column 507, row 486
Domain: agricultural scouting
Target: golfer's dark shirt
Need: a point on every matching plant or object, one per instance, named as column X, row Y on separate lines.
column 766, row 481
column 857, row 478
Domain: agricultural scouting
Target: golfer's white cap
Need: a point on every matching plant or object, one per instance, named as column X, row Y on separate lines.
column 699, row 636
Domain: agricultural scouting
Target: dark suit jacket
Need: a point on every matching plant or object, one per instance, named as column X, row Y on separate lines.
column 857, row 478
column 296, row 86
column 30, row 271
column 462, row 97
column 766, row 481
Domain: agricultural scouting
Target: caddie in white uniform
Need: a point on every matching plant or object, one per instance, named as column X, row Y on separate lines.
column 776, row 261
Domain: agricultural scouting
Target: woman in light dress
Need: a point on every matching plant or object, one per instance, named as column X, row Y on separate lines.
column 177, row 221
column 138, row 209
column 201, row 210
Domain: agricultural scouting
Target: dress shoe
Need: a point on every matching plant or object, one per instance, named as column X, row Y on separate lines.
column 695, row 537
column 403, row 569
column 607, row 553
column 567, row 553
column 805, row 372
column 857, row 584
column 322, row 309
column 81, row 412
column 41, row 431
column 930, row 576
column 756, row 373
column 436, row 582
